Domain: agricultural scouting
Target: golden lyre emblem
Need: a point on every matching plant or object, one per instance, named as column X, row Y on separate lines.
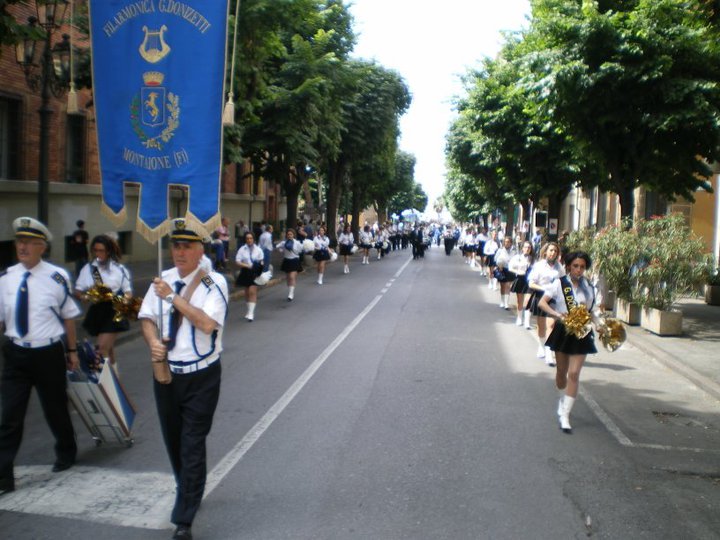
column 153, row 48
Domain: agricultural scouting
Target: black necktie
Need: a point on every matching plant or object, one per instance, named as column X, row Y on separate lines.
column 174, row 318
column 23, row 307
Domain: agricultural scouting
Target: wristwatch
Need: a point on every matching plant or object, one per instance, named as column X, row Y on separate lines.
column 169, row 298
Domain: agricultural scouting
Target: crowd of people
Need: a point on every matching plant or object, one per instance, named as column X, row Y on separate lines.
column 182, row 317
column 548, row 281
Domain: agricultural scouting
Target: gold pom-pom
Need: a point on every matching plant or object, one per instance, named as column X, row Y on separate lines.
column 577, row 321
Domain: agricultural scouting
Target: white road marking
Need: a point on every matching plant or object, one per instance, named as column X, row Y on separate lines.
column 233, row 457
column 616, row 432
column 611, row 426
column 141, row 499
column 125, row 498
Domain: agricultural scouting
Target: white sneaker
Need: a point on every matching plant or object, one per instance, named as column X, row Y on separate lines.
column 541, row 351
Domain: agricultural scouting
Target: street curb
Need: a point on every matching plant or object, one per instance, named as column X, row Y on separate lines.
column 637, row 338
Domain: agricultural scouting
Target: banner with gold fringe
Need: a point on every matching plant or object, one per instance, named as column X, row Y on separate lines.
column 158, row 84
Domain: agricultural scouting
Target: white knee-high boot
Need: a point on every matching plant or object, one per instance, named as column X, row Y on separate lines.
column 250, row 311
column 291, row 292
column 320, row 278
column 526, row 317
column 566, row 406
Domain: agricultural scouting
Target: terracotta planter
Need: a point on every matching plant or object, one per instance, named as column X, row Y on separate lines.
column 627, row 312
column 662, row 323
column 712, row 295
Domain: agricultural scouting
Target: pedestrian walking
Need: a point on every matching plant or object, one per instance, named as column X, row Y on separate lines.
column 37, row 313
column 503, row 274
column 104, row 272
column 321, row 253
column 291, row 249
column 346, row 241
column 249, row 259
column 520, row 266
column 544, row 272
column 186, row 363
column 265, row 242
column 561, row 296
column 366, row 243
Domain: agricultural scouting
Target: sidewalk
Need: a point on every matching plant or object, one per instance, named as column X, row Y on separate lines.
column 695, row 354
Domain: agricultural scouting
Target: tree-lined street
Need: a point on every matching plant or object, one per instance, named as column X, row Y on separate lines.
column 395, row 402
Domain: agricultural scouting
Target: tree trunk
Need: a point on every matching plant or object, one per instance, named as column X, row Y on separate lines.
column 627, row 204
column 292, row 191
column 335, row 177
column 510, row 213
column 554, row 205
column 355, row 213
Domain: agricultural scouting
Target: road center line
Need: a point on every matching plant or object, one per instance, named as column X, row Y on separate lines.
column 233, row 457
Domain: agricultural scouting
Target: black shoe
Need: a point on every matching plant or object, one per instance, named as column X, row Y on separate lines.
column 182, row 532
column 7, row 485
column 60, row 466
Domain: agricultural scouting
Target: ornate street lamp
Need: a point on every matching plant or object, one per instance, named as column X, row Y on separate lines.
column 51, row 78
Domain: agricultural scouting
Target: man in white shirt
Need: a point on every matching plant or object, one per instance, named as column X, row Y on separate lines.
column 36, row 311
column 191, row 306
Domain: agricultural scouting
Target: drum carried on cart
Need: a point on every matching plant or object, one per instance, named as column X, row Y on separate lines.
column 100, row 399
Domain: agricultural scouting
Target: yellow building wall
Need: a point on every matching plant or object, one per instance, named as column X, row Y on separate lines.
column 700, row 214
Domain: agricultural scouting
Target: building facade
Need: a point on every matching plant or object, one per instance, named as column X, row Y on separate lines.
column 73, row 168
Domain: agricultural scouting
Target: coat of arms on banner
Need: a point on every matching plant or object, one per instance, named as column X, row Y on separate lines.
column 158, row 87
column 148, row 112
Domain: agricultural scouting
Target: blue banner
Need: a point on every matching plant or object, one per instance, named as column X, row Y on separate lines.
column 158, row 85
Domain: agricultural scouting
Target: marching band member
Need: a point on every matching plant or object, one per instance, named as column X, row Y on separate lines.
column 291, row 249
column 104, row 271
column 570, row 350
column 545, row 270
column 366, row 243
column 380, row 239
column 322, row 252
column 186, row 364
column 36, row 312
column 520, row 265
column 480, row 239
column 250, row 259
column 346, row 241
column 503, row 274
column 489, row 250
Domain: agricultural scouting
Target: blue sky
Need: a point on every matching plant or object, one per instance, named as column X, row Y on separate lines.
column 431, row 44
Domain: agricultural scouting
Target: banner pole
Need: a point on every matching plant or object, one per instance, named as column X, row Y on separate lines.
column 160, row 300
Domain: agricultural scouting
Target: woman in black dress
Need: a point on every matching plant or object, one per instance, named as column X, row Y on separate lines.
column 560, row 297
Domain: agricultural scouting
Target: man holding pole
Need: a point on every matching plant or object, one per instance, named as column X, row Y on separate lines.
column 190, row 307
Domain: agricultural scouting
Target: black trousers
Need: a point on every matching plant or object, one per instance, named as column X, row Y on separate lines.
column 186, row 407
column 44, row 368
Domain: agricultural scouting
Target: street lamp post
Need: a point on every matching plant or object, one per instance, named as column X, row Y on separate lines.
column 52, row 80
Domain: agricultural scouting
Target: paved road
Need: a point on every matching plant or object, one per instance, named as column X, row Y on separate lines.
column 398, row 402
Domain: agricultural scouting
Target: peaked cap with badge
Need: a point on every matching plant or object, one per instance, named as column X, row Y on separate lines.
column 184, row 231
column 27, row 227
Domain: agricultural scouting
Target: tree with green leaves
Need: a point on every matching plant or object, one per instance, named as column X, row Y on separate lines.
column 636, row 86
column 290, row 102
column 371, row 112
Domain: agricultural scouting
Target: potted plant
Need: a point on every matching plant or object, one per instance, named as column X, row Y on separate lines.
column 712, row 289
column 615, row 252
column 673, row 263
